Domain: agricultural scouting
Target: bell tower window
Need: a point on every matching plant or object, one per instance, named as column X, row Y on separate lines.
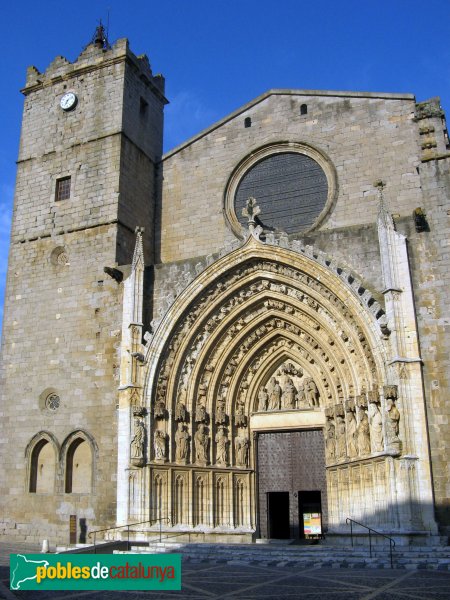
column 62, row 191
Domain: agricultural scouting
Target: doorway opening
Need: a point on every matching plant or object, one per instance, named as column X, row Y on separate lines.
column 278, row 522
column 310, row 513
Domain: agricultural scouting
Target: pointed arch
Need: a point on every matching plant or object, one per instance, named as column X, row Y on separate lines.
column 78, row 455
column 41, row 454
column 252, row 310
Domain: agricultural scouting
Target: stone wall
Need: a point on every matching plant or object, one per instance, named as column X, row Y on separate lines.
column 366, row 138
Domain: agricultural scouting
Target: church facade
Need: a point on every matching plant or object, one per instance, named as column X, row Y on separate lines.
column 228, row 338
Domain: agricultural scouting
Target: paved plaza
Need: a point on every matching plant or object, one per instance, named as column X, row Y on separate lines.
column 207, row 580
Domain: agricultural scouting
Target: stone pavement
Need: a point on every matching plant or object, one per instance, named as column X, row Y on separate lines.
column 208, row 581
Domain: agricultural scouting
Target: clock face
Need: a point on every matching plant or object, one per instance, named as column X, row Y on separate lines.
column 68, row 101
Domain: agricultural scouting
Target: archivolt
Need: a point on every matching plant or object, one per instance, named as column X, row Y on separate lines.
column 247, row 314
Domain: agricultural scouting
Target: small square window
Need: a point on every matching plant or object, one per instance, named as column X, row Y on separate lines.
column 62, row 191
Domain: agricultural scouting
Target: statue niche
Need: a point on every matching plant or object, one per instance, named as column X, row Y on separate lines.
column 181, row 444
column 221, row 417
column 330, row 437
column 393, row 442
column 221, row 446
column 138, row 444
column 201, row 445
column 376, row 425
column 200, row 412
column 160, row 445
column 241, row 446
column 352, row 444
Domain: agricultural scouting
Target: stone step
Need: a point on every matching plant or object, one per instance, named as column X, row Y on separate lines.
column 403, row 557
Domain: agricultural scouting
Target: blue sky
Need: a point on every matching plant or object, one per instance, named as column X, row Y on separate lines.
column 218, row 54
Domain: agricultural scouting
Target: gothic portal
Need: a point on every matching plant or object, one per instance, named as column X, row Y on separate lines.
column 221, row 339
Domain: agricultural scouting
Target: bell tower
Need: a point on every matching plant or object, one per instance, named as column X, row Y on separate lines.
column 91, row 138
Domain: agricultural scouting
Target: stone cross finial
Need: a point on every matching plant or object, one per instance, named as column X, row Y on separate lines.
column 384, row 218
column 251, row 211
column 380, row 185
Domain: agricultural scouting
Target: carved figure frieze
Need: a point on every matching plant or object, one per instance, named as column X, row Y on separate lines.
column 290, row 390
column 181, row 443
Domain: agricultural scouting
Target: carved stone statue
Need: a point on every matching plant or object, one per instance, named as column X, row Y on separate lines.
column 241, row 446
column 160, row 409
column 181, row 442
column 341, row 450
column 274, row 394
column 201, row 444
column 222, row 446
column 301, row 397
column 289, row 394
column 392, row 425
column 330, row 443
column 311, row 391
column 137, row 443
column 240, row 419
column 221, row 417
column 160, row 445
column 180, row 411
column 352, row 447
column 200, row 413
column 363, row 433
column 376, row 428
column 263, row 398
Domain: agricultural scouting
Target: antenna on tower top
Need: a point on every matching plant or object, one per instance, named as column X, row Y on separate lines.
column 107, row 24
column 100, row 37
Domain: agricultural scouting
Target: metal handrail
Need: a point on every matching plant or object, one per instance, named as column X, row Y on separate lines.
column 391, row 541
column 128, row 525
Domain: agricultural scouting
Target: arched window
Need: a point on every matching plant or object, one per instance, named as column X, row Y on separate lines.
column 78, row 467
column 303, row 109
column 247, row 122
column 42, row 468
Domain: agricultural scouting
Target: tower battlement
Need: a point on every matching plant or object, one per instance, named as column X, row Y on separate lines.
column 90, row 59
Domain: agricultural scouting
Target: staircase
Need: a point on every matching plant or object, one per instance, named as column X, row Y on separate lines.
column 404, row 557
